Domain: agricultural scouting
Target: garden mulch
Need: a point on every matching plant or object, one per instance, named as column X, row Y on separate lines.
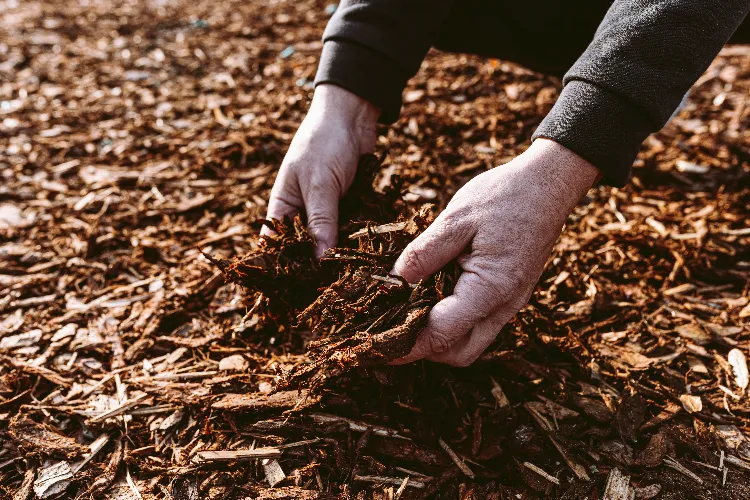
column 138, row 144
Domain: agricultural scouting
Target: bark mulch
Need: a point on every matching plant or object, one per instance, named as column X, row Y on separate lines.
column 153, row 346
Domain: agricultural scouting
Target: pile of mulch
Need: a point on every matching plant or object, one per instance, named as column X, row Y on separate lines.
column 137, row 139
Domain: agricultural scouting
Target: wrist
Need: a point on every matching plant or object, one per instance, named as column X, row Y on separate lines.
column 339, row 102
column 332, row 103
column 570, row 174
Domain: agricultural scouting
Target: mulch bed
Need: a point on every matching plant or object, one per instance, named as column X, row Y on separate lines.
column 139, row 142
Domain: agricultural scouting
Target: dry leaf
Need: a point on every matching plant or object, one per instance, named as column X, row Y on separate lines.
column 739, row 367
column 692, row 404
column 235, row 362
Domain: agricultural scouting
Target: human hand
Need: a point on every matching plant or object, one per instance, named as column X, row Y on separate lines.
column 503, row 224
column 321, row 161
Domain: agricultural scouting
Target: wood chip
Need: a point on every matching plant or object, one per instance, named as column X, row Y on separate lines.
column 26, row 488
column 456, row 459
column 237, row 455
column 541, row 472
column 389, row 480
column 618, row 486
column 53, row 479
column 273, row 471
column 500, row 397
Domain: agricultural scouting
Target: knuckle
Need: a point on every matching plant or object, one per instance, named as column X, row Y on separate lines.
column 414, row 260
column 505, row 286
column 516, row 282
column 439, row 342
column 500, row 292
column 325, row 184
column 452, row 226
column 291, row 166
column 320, row 219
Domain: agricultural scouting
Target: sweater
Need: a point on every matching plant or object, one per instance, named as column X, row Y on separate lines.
column 641, row 60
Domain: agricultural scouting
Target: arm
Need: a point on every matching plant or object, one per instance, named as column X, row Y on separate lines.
column 644, row 57
column 372, row 47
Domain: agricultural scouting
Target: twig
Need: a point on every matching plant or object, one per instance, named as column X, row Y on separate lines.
column 737, row 462
column 104, row 298
column 401, row 489
column 499, row 395
column 324, row 418
column 551, row 479
column 174, row 376
column 130, row 482
column 576, row 467
column 412, row 473
column 674, row 464
column 237, row 455
column 389, row 480
column 298, row 443
column 456, row 459
column 385, row 228
column 24, row 492
column 120, row 409
column 94, row 448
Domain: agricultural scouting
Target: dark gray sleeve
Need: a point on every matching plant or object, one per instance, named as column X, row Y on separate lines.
column 373, row 47
column 644, row 57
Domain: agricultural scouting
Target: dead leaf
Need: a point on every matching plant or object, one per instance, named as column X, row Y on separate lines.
column 692, row 404
column 235, row 362
column 739, row 367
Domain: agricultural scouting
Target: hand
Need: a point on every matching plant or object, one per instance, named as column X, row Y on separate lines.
column 503, row 224
column 322, row 160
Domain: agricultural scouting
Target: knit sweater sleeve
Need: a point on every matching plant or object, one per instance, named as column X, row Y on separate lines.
column 644, row 57
column 373, row 47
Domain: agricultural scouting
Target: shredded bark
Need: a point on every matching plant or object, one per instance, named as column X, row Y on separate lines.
column 137, row 138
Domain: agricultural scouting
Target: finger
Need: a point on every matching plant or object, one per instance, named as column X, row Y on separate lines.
column 469, row 348
column 322, row 218
column 454, row 317
column 277, row 209
column 282, row 202
column 444, row 240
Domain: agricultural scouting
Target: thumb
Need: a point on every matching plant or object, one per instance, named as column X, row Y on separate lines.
column 322, row 220
column 444, row 240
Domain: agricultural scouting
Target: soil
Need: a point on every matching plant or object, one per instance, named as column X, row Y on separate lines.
column 139, row 141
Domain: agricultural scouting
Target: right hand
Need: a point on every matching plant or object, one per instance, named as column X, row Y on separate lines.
column 321, row 161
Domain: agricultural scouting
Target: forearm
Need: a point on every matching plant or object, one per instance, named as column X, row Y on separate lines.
column 373, row 47
column 644, row 57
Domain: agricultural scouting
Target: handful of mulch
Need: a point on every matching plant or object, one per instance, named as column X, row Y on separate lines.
column 363, row 316
column 369, row 317
column 283, row 267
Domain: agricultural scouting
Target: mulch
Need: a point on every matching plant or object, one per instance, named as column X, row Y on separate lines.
column 138, row 145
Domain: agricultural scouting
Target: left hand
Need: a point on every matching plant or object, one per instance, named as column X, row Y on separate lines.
column 503, row 224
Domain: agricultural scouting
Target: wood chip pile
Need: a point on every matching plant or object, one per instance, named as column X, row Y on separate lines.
column 136, row 136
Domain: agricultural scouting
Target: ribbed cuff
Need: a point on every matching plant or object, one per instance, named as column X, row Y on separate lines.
column 364, row 72
column 599, row 126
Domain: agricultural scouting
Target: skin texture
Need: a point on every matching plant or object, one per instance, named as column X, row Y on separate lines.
column 322, row 159
column 502, row 225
